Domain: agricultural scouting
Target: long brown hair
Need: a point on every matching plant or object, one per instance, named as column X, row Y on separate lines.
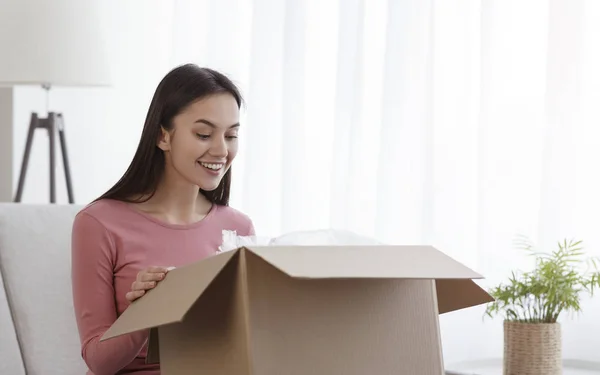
column 178, row 89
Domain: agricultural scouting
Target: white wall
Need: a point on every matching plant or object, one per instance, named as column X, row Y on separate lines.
column 6, row 144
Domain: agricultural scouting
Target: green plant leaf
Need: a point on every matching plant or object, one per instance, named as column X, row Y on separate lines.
column 554, row 285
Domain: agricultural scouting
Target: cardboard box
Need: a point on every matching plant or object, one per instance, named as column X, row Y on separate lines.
column 300, row 310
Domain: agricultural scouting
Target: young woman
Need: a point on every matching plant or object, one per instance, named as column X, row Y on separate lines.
column 167, row 210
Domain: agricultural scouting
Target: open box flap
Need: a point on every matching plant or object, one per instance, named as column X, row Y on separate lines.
column 370, row 261
column 456, row 294
column 171, row 299
column 455, row 287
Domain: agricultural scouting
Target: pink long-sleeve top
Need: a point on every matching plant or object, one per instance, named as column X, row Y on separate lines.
column 111, row 243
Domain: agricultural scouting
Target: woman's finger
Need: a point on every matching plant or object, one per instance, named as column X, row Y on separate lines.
column 142, row 275
column 133, row 295
column 157, row 269
column 142, row 285
column 158, row 276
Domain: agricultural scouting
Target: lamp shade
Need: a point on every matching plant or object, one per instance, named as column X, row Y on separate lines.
column 53, row 42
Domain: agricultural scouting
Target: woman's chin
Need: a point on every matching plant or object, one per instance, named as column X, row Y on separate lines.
column 208, row 187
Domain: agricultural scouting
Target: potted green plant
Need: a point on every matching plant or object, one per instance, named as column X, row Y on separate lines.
column 532, row 302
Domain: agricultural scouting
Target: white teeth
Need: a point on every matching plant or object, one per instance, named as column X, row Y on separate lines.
column 214, row 167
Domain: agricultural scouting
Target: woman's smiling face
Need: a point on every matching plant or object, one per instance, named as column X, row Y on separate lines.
column 203, row 141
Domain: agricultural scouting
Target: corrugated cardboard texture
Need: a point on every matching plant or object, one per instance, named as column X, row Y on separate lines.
column 213, row 336
column 341, row 327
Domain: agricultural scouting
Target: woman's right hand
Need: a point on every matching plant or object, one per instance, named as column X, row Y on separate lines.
column 146, row 280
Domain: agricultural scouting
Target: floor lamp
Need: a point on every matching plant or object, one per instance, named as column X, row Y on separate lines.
column 59, row 43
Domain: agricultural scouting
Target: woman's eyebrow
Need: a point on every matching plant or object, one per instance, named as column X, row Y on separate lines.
column 206, row 122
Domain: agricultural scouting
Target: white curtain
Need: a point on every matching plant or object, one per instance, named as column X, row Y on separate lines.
column 453, row 123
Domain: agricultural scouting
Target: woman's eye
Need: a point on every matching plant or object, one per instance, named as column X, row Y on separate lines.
column 231, row 136
column 202, row 136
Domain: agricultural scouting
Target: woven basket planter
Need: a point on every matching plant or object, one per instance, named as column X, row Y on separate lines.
column 532, row 349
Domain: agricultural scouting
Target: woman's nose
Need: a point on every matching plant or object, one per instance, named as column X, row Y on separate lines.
column 218, row 147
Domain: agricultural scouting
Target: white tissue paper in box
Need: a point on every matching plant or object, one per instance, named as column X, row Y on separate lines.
column 232, row 241
column 323, row 237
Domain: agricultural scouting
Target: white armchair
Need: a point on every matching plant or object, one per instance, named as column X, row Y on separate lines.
column 39, row 333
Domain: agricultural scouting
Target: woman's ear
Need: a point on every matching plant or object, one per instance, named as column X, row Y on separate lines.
column 164, row 140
